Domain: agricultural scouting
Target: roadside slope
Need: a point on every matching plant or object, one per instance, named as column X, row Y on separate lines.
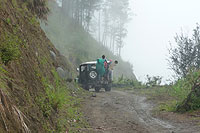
column 32, row 96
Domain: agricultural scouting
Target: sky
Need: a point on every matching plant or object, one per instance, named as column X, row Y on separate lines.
column 153, row 26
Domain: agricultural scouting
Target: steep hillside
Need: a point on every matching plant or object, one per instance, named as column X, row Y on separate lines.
column 76, row 44
column 32, row 96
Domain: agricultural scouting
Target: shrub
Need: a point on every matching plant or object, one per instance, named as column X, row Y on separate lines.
column 186, row 55
column 126, row 82
column 56, row 96
column 187, row 90
column 153, row 81
column 10, row 47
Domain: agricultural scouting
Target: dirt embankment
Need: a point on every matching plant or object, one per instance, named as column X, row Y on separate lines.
column 126, row 112
column 21, row 83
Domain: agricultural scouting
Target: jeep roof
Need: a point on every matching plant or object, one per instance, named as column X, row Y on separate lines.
column 90, row 63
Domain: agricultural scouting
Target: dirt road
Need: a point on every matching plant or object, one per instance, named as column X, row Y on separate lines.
column 125, row 112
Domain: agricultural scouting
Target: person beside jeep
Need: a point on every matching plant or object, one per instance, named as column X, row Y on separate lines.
column 100, row 69
column 111, row 68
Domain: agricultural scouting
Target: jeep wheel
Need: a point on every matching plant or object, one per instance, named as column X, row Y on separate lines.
column 108, row 87
column 86, row 87
column 97, row 89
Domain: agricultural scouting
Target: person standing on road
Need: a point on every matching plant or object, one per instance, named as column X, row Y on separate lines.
column 111, row 68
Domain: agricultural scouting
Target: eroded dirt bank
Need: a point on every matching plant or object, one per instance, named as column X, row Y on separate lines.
column 125, row 112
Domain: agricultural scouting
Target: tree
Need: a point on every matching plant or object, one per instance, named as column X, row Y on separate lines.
column 186, row 56
column 185, row 61
column 115, row 17
column 110, row 15
column 80, row 10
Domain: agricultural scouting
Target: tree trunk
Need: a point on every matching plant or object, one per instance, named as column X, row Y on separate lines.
column 99, row 26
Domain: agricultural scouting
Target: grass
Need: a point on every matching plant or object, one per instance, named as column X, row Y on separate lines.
column 2, row 77
column 160, row 95
column 59, row 98
column 2, row 70
column 10, row 47
column 33, row 21
column 175, row 97
column 181, row 89
column 169, row 106
column 187, row 92
column 169, row 98
column 43, row 60
column 128, row 84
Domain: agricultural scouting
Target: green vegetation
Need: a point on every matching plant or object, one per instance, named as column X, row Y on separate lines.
column 14, row 2
column 10, row 47
column 2, row 76
column 45, row 102
column 34, row 21
column 181, row 89
column 161, row 95
column 186, row 55
column 188, row 90
column 2, row 84
column 43, row 60
column 168, row 97
column 123, row 82
column 169, row 106
column 2, row 70
column 184, row 61
column 60, row 99
column 182, row 96
column 153, row 81
column 8, row 20
column 126, row 83
column 57, row 96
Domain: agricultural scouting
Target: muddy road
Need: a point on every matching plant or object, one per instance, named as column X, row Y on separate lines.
column 125, row 112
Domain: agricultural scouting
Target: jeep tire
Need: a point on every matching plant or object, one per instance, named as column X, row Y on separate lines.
column 86, row 87
column 108, row 87
column 97, row 89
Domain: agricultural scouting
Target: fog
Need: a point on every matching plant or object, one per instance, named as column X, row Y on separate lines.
column 154, row 24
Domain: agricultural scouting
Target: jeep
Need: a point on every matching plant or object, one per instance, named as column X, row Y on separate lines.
column 88, row 77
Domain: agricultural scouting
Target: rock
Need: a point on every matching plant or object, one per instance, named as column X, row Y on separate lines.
column 36, row 53
column 64, row 74
column 53, row 55
column 94, row 95
column 61, row 72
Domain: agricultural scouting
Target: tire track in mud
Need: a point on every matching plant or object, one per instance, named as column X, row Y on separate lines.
column 125, row 112
column 138, row 105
